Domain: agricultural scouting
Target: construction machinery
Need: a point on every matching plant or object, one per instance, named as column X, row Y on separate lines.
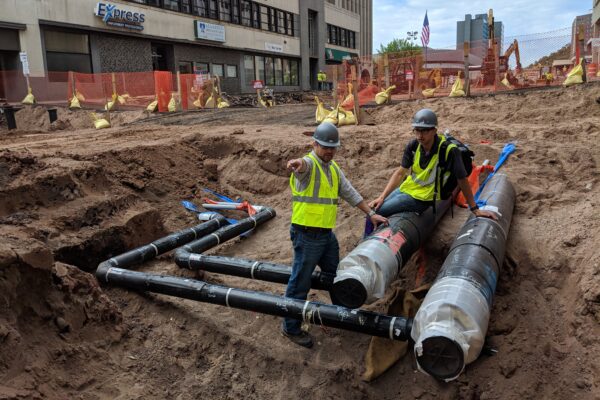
column 489, row 70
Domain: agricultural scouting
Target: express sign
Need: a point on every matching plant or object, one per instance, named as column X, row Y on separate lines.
column 118, row 17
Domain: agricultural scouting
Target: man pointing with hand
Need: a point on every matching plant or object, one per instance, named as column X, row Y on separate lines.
column 317, row 182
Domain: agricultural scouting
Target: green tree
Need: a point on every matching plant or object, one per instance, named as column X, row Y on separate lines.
column 399, row 46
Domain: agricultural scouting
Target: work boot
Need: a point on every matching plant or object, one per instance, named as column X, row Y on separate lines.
column 302, row 339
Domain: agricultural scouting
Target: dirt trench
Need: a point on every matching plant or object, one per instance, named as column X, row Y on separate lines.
column 73, row 198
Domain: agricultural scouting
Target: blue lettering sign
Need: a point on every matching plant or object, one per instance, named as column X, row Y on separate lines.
column 113, row 16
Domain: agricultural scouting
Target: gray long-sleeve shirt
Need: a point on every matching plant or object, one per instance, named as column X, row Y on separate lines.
column 346, row 191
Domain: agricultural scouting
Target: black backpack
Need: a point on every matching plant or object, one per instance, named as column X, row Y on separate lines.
column 467, row 158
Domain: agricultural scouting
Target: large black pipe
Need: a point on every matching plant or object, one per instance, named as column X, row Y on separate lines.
column 185, row 256
column 259, row 270
column 368, row 270
column 395, row 328
column 450, row 326
column 165, row 244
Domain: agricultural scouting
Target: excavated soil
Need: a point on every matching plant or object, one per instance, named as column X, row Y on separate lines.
column 72, row 197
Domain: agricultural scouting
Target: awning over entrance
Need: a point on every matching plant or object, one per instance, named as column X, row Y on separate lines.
column 337, row 56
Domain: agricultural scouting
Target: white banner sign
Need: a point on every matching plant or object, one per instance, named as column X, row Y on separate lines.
column 595, row 42
column 278, row 48
column 25, row 62
column 208, row 31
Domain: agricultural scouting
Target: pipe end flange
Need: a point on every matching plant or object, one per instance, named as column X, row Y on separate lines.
column 441, row 358
column 349, row 293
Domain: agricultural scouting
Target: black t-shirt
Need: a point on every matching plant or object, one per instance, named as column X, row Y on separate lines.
column 455, row 163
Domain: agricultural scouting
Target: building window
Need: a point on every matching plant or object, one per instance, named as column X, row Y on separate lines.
column 213, row 9
column 260, row 68
column 67, row 51
column 185, row 67
column 278, row 72
column 269, row 71
column 341, row 37
column 225, row 10
column 185, row 6
column 249, row 69
column 201, row 68
column 294, row 73
column 264, row 18
column 232, row 71
column 235, row 11
column 217, row 69
column 171, row 5
column 246, row 13
column 199, row 7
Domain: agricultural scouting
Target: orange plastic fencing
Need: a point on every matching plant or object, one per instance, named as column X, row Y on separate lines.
column 524, row 61
column 50, row 89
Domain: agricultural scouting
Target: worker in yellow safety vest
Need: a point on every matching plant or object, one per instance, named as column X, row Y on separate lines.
column 414, row 186
column 317, row 182
column 322, row 78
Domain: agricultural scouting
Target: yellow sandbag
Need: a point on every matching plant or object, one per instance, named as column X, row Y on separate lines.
column 172, row 106
column 99, row 123
column 575, row 76
column 505, row 81
column 332, row 117
column 110, row 105
column 79, row 96
column 457, row 88
column 222, row 103
column 210, row 102
column 321, row 112
column 152, row 106
column 384, row 96
column 429, row 92
column 30, row 98
column 74, row 103
column 346, row 118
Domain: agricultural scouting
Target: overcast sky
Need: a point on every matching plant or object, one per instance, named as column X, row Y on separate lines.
column 394, row 18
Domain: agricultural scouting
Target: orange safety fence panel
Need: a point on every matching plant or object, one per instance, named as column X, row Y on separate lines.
column 50, row 89
column 163, row 83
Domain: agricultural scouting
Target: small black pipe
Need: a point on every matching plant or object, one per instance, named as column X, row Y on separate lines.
column 165, row 244
column 259, row 270
column 186, row 254
column 370, row 323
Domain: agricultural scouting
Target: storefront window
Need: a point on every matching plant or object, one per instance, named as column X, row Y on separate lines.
column 185, row 67
column 287, row 78
column 217, row 69
column 66, row 51
column 232, row 71
column 201, row 68
column 278, row 72
column 249, row 69
column 269, row 71
column 260, row 68
column 294, row 73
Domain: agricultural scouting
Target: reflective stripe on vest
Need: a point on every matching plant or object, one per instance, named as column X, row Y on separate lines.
column 316, row 205
column 421, row 182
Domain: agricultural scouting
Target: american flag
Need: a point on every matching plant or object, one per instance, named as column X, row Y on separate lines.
column 425, row 31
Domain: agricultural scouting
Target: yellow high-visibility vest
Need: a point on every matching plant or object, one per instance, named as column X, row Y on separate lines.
column 316, row 205
column 420, row 184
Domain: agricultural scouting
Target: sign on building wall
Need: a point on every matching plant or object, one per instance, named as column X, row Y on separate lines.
column 25, row 62
column 208, row 31
column 278, row 48
column 119, row 16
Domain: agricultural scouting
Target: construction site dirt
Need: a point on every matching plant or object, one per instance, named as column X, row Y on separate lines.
column 72, row 196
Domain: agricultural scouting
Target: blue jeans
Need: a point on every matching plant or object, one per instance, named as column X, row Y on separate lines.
column 310, row 249
column 396, row 202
